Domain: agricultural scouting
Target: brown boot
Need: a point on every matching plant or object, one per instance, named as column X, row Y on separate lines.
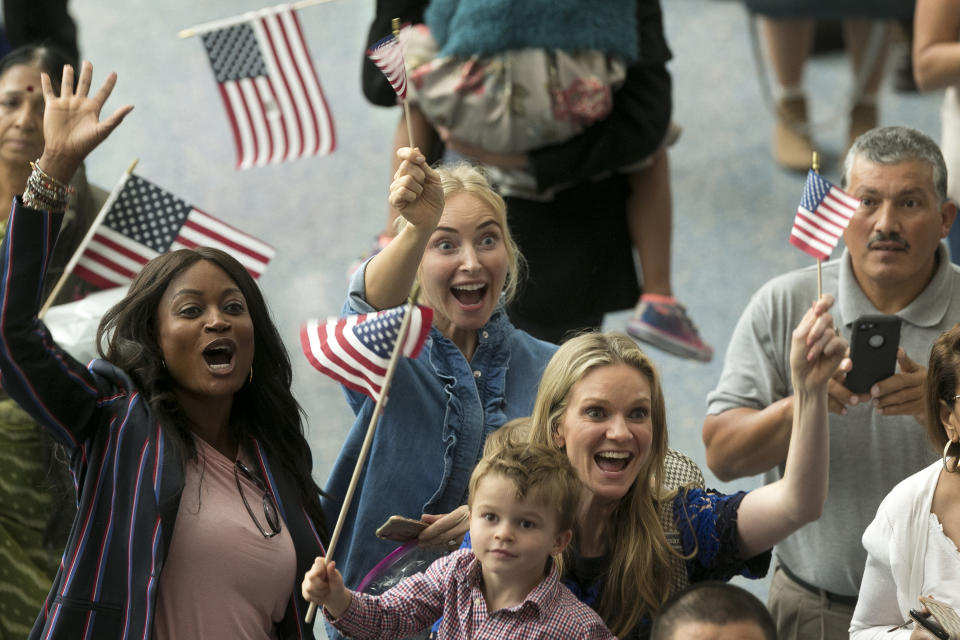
column 792, row 148
column 863, row 117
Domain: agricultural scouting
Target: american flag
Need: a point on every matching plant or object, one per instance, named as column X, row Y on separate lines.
column 270, row 89
column 355, row 350
column 145, row 221
column 823, row 214
column 387, row 54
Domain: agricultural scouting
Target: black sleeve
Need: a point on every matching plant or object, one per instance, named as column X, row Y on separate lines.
column 56, row 390
column 634, row 129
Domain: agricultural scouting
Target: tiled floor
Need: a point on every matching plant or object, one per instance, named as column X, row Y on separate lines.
column 733, row 206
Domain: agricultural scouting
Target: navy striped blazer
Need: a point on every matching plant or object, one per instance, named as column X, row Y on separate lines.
column 128, row 476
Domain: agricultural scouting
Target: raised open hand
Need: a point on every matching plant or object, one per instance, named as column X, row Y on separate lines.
column 71, row 121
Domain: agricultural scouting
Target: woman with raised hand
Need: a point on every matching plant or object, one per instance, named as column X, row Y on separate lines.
column 636, row 542
column 197, row 511
column 475, row 372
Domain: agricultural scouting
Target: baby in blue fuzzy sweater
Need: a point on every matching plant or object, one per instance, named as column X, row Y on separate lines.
column 509, row 76
column 499, row 78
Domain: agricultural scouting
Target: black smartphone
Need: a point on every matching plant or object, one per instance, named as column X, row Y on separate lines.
column 873, row 349
column 928, row 623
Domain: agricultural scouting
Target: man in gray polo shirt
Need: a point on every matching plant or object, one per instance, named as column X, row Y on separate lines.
column 894, row 263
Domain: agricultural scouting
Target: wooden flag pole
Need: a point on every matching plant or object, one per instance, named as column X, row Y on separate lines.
column 371, row 428
column 75, row 258
column 214, row 25
column 395, row 26
column 815, row 165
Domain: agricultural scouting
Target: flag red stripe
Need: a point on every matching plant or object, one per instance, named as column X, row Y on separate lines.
column 836, row 208
column 806, row 248
column 93, row 278
column 121, row 249
column 324, row 337
column 426, row 320
column 840, row 204
column 211, row 233
column 808, row 236
column 303, row 84
column 372, row 383
column 266, row 123
column 286, row 85
column 99, row 258
column 357, row 357
column 818, row 222
column 233, row 244
column 253, row 130
column 326, row 108
column 190, row 244
column 233, row 123
column 327, row 370
column 283, row 121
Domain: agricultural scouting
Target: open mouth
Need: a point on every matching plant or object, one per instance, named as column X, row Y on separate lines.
column 612, row 460
column 219, row 354
column 469, row 294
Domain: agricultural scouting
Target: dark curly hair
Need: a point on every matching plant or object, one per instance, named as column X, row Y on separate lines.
column 941, row 383
column 263, row 408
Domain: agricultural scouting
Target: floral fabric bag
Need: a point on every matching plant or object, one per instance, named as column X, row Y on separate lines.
column 514, row 101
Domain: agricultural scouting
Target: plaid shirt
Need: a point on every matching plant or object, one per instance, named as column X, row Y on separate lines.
column 452, row 587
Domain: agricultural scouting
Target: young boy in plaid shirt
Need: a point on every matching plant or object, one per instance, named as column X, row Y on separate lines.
column 523, row 500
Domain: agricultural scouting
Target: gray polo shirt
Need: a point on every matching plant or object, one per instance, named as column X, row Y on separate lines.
column 869, row 454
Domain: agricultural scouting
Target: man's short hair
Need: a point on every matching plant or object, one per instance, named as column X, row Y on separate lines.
column 716, row 603
column 539, row 473
column 893, row 145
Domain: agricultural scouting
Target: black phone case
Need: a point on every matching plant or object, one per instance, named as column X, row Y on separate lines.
column 929, row 624
column 873, row 349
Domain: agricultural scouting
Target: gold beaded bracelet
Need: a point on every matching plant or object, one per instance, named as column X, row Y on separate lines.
column 44, row 192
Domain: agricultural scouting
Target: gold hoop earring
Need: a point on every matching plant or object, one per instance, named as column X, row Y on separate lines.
column 956, row 461
column 250, row 377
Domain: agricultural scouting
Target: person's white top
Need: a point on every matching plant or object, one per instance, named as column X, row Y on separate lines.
column 908, row 555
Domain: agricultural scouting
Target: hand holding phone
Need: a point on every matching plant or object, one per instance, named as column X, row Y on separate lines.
column 930, row 624
column 400, row 529
column 944, row 614
column 873, row 350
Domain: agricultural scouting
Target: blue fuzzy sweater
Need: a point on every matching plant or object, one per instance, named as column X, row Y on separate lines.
column 483, row 27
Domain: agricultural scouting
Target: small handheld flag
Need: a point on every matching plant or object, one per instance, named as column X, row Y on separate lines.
column 393, row 332
column 824, row 212
column 387, row 54
column 355, row 350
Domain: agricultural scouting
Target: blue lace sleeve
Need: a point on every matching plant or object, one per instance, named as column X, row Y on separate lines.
column 707, row 522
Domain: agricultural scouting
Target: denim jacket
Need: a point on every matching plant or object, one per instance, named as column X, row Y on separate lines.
column 431, row 433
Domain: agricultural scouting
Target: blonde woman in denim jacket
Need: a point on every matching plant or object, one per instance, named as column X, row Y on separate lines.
column 475, row 372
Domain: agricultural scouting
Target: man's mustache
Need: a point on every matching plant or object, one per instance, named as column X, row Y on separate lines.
column 892, row 237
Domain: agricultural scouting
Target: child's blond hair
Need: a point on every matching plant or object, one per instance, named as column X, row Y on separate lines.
column 515, row 432
column 542, row 474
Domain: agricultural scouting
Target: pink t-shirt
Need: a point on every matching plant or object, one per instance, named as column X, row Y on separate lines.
column 222, row 578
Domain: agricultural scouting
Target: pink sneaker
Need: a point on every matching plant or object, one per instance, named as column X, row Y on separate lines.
column 662, row 322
